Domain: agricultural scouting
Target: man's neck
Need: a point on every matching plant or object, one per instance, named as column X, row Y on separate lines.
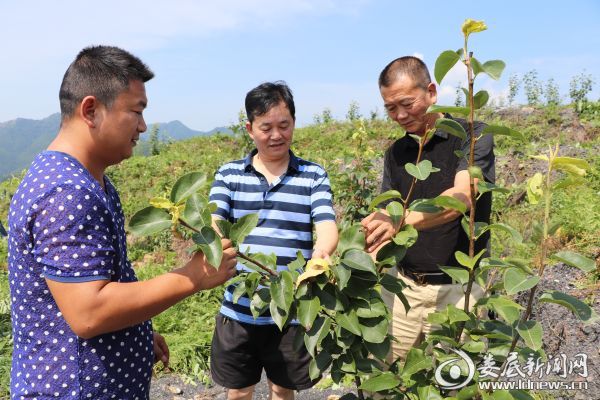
column 67, row 142
column 271, row 168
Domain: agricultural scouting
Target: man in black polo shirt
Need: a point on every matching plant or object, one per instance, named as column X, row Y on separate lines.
column 407, row 92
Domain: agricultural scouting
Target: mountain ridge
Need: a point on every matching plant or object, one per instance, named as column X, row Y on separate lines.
column 23, row 138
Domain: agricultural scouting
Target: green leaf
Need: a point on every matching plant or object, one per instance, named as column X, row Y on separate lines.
column 349, row 322
column 451, row 127
column 429, row 393
column 516, row 281
column 422, row 170
column 371, row 308
column 307, row 311
column 450, row 202
column 260, row 302
column 282, row 290
column 576, row 260
column 195, row 212
column 210, row 244
column 574, row 166
column 352, row 237
column 505, row 307
column 424, row 205
column 460, row 275
column 319, row 364
column 438, row 317
column 224, row 226
column 515, row 235
column 278, row 315
column 387, row 380
column 502, row 131
column 480, row 99
column 379, row 350
column 494, row 68
column 358, row 259
column 448, row 109
column 568, row 181
column 476, row 66
column 416, row 361
column 407, row 236
column 483, row 187
column 474, row 347
column 466, row 261
column 444, row 63
column 475, row 172
column 455, row 314
column 239, row 290
column 579, row 308
column 396, row 286
column 316, row 333
column 531, row 332
column 342, row 274
column 186, row 186
column 390, row 255
column 374, row 330
column 149, row 220
column 242, row 228
column 390, row 194
column 396, row 212
column 534, row 188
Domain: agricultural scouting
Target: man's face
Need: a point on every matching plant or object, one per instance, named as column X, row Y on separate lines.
column 121, row 124
column 407, row 103
column 272, row 132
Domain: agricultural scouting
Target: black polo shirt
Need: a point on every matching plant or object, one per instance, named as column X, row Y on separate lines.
column 435, row 247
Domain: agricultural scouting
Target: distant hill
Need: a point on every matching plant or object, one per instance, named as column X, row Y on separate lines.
column 23, row 138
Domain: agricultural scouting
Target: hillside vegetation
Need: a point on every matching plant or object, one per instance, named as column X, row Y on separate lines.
column 351, row 152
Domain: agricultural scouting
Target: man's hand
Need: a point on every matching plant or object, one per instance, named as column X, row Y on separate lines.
column 378, row 230
column 161, row 350
column 320, row 253
column 208, row 276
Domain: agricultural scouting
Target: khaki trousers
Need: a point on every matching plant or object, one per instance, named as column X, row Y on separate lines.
column 410, row 328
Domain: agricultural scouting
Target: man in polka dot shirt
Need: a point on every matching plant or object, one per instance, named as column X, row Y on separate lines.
column 80, row 317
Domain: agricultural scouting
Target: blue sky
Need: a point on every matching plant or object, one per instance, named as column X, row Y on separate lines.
column 208, row 54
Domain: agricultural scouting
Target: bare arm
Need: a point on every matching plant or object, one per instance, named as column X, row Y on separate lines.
column 97, row 307
column 379, row 228
column 327, row 239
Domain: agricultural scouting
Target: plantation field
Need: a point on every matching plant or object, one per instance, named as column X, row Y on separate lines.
column 352, row 152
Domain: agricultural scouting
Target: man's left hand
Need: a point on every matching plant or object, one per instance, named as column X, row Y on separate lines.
column 161, row 350
column 379, row 228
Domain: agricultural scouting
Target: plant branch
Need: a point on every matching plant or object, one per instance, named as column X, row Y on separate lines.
column 238, row 253
column 543, row 253
column 472, row 192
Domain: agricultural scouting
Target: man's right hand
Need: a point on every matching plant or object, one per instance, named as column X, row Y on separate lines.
column 208, row 276
column 379, row 228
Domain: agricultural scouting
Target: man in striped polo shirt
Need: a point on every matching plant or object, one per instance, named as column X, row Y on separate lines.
column 290, row 196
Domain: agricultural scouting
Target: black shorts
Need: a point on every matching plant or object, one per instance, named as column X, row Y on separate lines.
column 240, row 352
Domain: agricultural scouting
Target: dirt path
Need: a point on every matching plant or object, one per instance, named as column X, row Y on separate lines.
column 171, row 387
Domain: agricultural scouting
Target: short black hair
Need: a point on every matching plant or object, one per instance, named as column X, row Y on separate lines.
column 100, row 71
column 267, row 95
column 410, row 66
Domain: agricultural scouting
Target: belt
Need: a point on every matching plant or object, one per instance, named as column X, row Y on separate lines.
column 427, row 278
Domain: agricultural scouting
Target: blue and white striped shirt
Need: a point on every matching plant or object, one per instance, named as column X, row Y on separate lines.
column 287, row 209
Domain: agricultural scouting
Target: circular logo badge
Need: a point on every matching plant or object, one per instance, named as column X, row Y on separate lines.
column 452, row 369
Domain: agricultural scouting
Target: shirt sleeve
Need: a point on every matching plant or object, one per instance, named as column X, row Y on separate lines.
column 220, row 194
column 321, row 199
column 73, row 235
column 484, row 154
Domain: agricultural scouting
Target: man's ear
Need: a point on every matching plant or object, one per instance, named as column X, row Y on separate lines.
column 249, row 129
column 432, row 91
column 88, row 111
